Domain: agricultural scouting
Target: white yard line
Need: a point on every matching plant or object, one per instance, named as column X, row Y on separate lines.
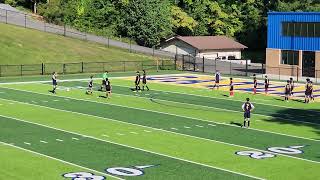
column 45, row 142
column 65, row 162
column 144, row 150
column 75, row 139
column 27, row 143
column 60, row 140
column 171, row 132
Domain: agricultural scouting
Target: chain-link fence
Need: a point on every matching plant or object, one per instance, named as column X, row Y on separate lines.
column 85, row 67
column 35, row 22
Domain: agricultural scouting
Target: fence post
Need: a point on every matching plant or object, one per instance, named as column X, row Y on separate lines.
column 203, row 64
column 0, row 70
column 21, row 69
column 64, row 29
column 108, row 42
column 194, row 64
column 130, row 45
column 297, row 74
column 6, row 17
column 124, row 66
column 279, row 74
column 82, row 67
column 182, row 62
column 215, row 65
column 25, row 21
column 246, row 67
column 64, row 68
column 42, row 69
column 152, row 50
column 230, row 67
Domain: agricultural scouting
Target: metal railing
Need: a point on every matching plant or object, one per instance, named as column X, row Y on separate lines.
column 85, row 67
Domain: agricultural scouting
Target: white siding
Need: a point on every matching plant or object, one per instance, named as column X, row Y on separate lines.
column 179, row 47
column 212, row 54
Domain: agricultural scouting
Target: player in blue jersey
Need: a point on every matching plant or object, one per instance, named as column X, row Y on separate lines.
column 247, row 107
column 217, row 79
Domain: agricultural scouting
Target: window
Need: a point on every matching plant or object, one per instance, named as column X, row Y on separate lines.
column 289, row 57
column 301, row 29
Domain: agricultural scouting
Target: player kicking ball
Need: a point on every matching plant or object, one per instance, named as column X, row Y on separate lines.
column 90, row 86
column 54, row 82
column 247, row 107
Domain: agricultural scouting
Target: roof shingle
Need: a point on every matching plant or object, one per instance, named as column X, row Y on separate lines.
column 211, row 42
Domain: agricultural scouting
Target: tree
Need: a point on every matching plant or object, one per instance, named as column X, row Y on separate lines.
column 147, row 21
column 183, row 24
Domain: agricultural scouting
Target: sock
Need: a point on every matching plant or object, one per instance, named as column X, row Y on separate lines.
column 147, row 88
column 244, row 123
column 248, row 123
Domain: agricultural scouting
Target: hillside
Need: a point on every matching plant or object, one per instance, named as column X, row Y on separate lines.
column 25, row 46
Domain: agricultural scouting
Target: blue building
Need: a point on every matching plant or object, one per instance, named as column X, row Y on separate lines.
column 293, row 44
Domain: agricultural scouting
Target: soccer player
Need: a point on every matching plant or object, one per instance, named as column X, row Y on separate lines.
column 144, row 81
column 54, row 82
column 266, row 84
column 231, row 88
column 307, row 91
column 311, row 91
column 105, row 78
column 287, row 91
column 291, row 82
column 90, row 86
column 108, row 89
column 217, row 80
column 137, row 81
column 255, row 84
column 247, row 107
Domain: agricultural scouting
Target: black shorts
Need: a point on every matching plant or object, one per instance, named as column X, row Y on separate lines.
column 266, row 86
column 144, row 81
column 54, row 83
column 108, row 89
column 90, row 86
column 217, row 81
column 247, row 114
column 307, row 93
column 287, row 92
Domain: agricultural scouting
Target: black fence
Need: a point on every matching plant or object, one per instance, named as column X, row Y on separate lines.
column 228, row 67
column 85, row 67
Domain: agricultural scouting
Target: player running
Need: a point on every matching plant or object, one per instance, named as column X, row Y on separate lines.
column 287, row 91
column 231, row 88
column 105, row 78
column 144, row 81
column 217, row 80
column 247, row 107
column 308, row 91
column 255, row 84
column 108, row 89
column 266, row 84
column 54, row 82
column 137, row 81
column 90, row 86
column 291, row 82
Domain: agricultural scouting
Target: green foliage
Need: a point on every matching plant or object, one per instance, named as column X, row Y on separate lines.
column 149, row 21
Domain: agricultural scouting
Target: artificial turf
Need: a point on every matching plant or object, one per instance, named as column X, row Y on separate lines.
column 161, row 123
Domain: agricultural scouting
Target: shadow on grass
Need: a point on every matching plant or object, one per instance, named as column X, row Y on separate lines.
column 298, row 117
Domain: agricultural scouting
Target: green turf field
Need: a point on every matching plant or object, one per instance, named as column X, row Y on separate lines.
column 169, row 132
